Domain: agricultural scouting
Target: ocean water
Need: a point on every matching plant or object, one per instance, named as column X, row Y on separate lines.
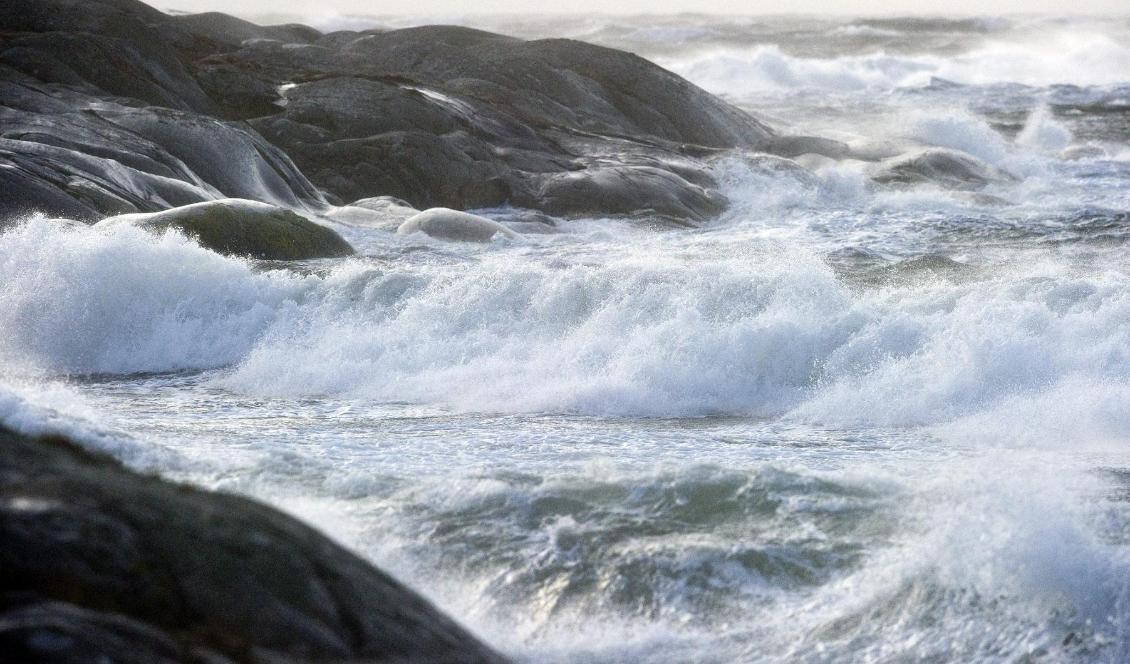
column 837, row 423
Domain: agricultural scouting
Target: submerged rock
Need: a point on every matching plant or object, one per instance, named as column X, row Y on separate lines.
column 454, row 225
column 867, row 268
column 951, row 169
column 98, row 563
column 379, row 212
column 627, row 190
column 795, row 146
column 773, row 166
column 245, row 228
column 1078, row 152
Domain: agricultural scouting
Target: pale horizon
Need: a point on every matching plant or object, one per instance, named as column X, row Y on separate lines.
column 261, row 8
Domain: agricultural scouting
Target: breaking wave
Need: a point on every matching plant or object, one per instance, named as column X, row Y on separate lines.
column 648, row 330
column 1060, row 58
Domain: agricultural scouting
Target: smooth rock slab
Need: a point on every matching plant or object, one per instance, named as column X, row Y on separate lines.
column 238, row 227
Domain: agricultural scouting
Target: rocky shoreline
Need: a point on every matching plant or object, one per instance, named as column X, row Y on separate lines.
column 160, row 111
column 112, row 112
column 111, row 107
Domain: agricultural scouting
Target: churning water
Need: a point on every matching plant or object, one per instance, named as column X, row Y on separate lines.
column 837, row 423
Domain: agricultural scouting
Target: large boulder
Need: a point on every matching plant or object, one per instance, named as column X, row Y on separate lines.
column 98, row 563
column 454, row 225
column 244, row 228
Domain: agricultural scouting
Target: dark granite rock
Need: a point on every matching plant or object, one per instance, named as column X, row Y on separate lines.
column 448, row 116
column 117, row 47
column 110, row 158
column 233, row 32
column 438, row 116
column 26, row 193
column 795, row 146
column 98, row 563
column 561, row 82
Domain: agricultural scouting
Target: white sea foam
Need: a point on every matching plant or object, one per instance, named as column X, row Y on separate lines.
column 739, row 73
column 960, row 130
column 855, row 30
column 923, row 480
column 120, row 300
column 987, row 564
column 760, row 329
column 1043, row 133
column 1067, row 57
column 637, row 335
column 49, row 408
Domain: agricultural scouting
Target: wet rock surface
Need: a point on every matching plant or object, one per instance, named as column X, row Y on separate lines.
column 83, row 157
column 162, row 111
column 98, row 563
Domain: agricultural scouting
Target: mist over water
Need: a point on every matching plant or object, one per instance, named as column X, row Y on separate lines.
column 840, row 422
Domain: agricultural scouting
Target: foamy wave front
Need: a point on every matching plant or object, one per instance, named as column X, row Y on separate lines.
column 1058, row 58
column 81, row 300
column 651, row 329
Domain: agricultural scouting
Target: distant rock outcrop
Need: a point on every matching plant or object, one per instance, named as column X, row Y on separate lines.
column 98, row 563
column 111, row 107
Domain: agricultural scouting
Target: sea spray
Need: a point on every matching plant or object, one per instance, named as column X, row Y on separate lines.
column 120, row 300
column 839, row 421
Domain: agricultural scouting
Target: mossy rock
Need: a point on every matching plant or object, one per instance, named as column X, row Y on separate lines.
column 239, row 227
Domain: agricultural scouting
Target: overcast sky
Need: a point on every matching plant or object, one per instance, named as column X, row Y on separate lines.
column 423, row 7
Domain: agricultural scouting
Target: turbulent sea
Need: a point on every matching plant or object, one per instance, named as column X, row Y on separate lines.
column 837, row 423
